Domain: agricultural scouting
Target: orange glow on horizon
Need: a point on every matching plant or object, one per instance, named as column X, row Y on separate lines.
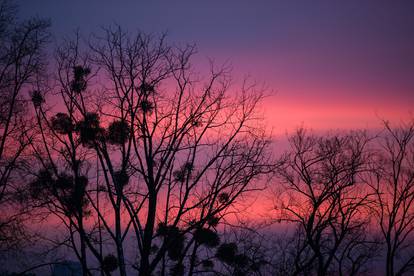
column 283, row 116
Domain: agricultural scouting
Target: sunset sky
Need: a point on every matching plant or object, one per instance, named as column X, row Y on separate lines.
column 327, row 64
column 124, row 153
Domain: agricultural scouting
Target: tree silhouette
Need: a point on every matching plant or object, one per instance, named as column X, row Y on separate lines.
column 148, row 151
column 392, row 180
column 324, row 196
column 144, row 161
column 21, row 60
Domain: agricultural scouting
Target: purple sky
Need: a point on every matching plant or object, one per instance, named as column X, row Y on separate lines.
column 334, row 64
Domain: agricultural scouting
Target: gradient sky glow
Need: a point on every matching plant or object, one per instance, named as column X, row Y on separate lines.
column 331, row 64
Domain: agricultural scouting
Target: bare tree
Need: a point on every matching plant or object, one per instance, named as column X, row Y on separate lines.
column 324, row 196
column 62, row 176
column 21, row 60
column 170, row 153
column 392, row 180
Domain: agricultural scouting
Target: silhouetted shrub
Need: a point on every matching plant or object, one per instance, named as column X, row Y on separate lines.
column 226, row 252
column 109, row 263
column 206, row 237
column 118, row 132
column 62, row 123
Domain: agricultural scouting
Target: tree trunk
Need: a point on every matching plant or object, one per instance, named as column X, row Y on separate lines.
column 145, row 269
column 119, row 247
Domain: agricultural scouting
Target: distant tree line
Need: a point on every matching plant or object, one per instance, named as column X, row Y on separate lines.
column 140, row 163
column 350, row 198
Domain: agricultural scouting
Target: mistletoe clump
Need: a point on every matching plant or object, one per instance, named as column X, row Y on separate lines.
column 207, row 237
column 79, row 82
column 213, row 221
column 223, row 198
column 147, row 88
column 69, row 191
column 121, row 178
column 109, row 263
column 118, row 132
column 226, row 252
column 146, row 106
column 62, row 123
column 174, row 239
column 89, row 129
column 41, row 186
column 182, row 173
column 37, row 98
column 72, row 194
